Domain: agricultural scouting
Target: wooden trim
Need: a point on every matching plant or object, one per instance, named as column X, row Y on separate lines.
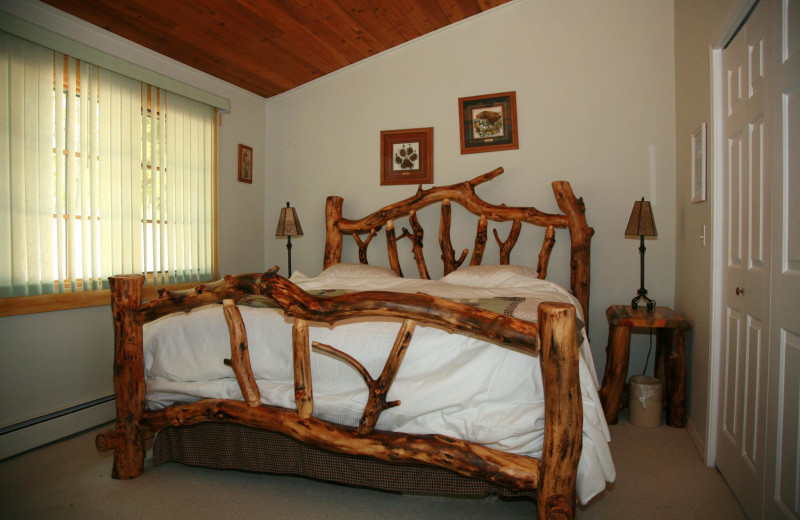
column 215, row 196
column 19, row 305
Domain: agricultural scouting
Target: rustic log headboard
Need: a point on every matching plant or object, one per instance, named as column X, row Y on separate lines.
column 573, row 218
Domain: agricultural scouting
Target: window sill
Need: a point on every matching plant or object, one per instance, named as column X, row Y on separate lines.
column 58, row 302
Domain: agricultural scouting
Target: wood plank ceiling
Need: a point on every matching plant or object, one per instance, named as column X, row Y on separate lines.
column 271, row 46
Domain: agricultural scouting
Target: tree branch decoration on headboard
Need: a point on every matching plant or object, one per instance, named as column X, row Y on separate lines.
column 573, row 219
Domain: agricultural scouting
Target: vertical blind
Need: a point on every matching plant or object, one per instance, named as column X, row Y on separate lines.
column 100, row 174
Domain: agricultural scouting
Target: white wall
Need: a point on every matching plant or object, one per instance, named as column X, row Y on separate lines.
column 595, row 100
column 55, row 360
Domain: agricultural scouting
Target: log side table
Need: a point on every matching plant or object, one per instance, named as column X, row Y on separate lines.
column 670, row 358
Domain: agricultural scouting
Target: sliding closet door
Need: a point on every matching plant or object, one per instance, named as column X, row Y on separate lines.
column 741, row 448
column 782, row 500
column 758, row 445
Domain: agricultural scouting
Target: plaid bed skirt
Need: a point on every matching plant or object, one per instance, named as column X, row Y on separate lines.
column 233, row 446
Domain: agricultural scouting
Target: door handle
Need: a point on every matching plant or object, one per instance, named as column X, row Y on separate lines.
column 739, row 290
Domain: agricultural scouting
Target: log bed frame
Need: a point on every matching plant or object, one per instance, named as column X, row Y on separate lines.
column 553, row 338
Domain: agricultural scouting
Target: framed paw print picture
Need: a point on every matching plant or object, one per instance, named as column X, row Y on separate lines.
column 407, row 156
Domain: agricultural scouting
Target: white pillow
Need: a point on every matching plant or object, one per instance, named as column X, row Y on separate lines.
column 357, row 271
column 489, row 276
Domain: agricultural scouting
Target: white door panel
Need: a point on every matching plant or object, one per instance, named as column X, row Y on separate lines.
column 756, row 203
column 782, row 485
column 754, row 394
column 741, row 443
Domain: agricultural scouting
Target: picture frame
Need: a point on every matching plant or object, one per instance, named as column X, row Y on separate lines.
column 407, row 156
column 699, row 164
column 488, row 123
column 245, row 164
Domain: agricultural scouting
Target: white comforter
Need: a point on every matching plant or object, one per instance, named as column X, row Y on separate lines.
column 448, row 383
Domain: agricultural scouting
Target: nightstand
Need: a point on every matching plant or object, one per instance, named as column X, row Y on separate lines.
column 670, row 358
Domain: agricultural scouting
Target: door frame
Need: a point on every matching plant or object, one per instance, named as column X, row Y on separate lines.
column 727, row 29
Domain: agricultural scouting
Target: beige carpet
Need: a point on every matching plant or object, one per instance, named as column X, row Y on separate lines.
column 659, row 476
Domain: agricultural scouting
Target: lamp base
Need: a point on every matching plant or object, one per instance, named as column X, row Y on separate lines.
column 289, row 254
column 642, row 295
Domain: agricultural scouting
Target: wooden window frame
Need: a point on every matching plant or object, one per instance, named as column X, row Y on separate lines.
column 21, row 305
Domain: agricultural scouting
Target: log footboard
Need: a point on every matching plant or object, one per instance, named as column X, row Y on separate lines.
column 553, row 338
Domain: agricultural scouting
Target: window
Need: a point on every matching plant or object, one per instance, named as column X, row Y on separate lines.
column 100, row 174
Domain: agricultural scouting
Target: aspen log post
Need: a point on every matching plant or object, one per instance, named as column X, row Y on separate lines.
column 660, row 367
column 379, row 389
column 563, row 435
column 616, row 372
column 391, row 245
column 127, row 438
column 580, row 243
column 363, row 244
column 416, row 239
column 547, row 248
column 659, row 370
column 480, row 241
column 333, row 235
column 303, row 394
column 507, row 245
column 448, row 253
column 240, row 357
column 675, row 376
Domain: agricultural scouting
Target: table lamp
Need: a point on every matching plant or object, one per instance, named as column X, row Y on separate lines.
column 642, row 224
column 289, row 226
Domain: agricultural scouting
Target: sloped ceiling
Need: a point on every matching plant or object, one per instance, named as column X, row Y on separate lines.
column 271, row 46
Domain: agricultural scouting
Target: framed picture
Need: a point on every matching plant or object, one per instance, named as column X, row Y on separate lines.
column 488, row 123
column 407, row 156
column 699, row 164
column 245, row 164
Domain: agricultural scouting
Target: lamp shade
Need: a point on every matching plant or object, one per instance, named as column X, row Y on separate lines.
column 289, row 224
column 641, row 222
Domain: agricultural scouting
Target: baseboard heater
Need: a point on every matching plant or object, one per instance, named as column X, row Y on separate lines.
column 55, row 415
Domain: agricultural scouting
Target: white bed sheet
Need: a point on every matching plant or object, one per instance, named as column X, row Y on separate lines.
column 448, row 384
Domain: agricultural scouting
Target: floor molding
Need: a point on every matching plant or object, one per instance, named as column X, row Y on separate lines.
column 21, row 437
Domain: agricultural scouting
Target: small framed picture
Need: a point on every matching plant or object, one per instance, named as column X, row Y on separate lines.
column 699, row 164
column 245, row 164
column 407, row 156
column 488, row 123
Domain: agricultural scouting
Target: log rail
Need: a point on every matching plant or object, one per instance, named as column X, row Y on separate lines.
column 554, row 339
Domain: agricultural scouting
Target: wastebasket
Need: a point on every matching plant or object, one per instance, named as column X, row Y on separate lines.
column 646, row 394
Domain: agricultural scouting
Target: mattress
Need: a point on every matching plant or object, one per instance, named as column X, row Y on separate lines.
column 448, row 384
